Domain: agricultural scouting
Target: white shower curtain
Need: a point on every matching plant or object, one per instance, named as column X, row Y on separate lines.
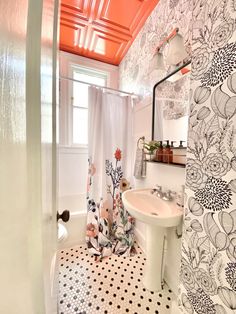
column 109, row 227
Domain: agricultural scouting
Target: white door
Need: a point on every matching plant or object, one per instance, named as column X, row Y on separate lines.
column 28, row 230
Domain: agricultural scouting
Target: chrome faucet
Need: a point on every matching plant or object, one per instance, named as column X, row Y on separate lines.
column 168, row 196
column 157, row 191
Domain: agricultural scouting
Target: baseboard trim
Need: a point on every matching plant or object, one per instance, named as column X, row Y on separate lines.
column 175, row 309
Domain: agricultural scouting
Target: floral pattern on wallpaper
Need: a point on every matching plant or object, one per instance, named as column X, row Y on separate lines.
column 178, row 90
column 110, row 228
column 136, row 73
column 173, row 98
column 208, row 267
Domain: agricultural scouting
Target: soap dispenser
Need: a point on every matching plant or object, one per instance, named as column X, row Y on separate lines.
column 167, row 153
column 159, row 152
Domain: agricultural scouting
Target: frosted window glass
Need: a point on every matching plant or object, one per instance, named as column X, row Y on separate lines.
column 80, row 102
column 80, row 126
column 80, row 91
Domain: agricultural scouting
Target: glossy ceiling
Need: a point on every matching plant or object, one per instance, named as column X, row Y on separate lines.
column 102, row 29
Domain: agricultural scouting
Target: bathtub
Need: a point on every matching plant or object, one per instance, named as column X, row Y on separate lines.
column 76, row 226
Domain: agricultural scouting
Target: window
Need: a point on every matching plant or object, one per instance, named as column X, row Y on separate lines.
column 79, row 97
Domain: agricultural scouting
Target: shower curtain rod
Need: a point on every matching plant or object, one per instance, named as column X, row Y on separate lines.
column 109, row 88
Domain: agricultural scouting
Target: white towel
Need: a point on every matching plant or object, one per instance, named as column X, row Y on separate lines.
column 140, row 165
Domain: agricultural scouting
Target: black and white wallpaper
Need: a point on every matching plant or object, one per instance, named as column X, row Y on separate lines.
column 208, row 267
column 136, row 68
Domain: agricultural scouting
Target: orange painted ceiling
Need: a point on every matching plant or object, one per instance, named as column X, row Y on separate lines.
column 102, row 29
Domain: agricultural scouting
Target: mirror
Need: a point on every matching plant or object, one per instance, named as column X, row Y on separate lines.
column 171, row 106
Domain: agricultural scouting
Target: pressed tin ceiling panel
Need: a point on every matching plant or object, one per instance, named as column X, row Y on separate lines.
column 102, row 29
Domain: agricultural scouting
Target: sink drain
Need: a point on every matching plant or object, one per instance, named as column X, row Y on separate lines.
column 154, row 214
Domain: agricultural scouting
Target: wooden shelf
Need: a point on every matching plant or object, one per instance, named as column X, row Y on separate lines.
column 167, row 164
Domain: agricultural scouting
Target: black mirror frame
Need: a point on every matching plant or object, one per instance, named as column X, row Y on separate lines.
column 154, row 93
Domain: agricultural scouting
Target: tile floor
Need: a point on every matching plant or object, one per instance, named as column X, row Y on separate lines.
column 111, row 286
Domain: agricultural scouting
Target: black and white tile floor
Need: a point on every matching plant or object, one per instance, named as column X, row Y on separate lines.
column 111, row 286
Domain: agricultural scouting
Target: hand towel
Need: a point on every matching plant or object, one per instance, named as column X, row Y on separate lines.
column 140, row 165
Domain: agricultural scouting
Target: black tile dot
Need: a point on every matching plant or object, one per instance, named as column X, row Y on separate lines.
column 86, row 270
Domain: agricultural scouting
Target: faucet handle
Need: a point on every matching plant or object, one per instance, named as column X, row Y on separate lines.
column 159, row 188
column 169, row 195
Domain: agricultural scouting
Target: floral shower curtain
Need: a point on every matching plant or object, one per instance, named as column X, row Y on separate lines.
column 109, row 227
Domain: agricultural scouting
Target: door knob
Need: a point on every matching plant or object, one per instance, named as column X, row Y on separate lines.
column 65, row 216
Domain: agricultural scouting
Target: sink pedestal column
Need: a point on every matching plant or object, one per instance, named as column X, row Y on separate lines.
column 154, row 264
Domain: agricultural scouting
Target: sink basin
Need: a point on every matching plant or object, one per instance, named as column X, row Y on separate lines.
column 158, row 215
column 150, row 209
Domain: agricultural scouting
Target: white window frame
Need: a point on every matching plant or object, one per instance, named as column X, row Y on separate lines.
column 86, row 70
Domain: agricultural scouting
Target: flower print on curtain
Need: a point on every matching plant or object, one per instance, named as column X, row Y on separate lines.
column 109, row 226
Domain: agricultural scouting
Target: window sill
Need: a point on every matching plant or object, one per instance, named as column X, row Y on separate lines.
column 66, row 149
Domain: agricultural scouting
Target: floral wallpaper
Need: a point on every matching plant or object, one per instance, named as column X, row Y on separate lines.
column 173, row 98
column 136, row 73
column 208, row 267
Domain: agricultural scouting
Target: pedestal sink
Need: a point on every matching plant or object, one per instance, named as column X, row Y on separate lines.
column 157, row 214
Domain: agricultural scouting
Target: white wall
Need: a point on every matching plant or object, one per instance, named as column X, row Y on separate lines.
column 169, row 177
column 73, row 161
column 72, row 171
